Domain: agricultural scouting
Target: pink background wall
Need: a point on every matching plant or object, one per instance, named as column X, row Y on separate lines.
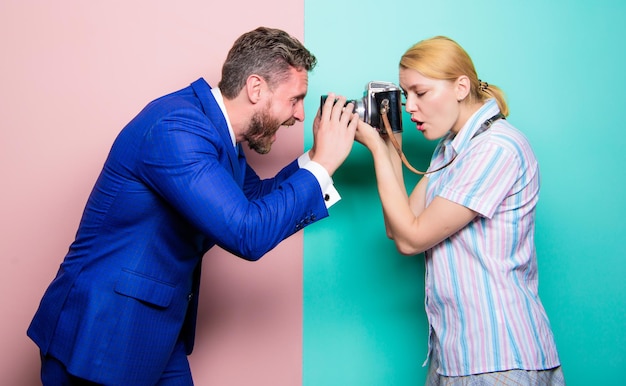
column 72, row 74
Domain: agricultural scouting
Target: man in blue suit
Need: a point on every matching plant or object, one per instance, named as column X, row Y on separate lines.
column 122, row 308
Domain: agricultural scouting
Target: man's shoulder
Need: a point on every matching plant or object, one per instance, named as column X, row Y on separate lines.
column 182, row 98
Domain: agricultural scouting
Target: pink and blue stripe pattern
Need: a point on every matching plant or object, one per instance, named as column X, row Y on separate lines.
column 481, row 283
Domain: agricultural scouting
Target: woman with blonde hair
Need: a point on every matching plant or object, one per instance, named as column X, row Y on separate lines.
column 473, row 216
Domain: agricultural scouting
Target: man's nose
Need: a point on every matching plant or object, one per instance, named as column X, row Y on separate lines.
column 299, row 111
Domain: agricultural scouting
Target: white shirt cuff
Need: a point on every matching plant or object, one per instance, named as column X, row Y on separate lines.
column 331, row 195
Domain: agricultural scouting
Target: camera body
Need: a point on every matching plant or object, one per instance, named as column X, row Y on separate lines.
column 369, row 107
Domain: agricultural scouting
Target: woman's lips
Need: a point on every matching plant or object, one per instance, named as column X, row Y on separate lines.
column 418, row 124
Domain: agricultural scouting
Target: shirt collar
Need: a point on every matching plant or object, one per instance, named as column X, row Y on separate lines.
column 462, row 139
column 217, row 94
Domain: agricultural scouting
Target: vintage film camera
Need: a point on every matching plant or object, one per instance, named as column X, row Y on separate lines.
column 369, row 107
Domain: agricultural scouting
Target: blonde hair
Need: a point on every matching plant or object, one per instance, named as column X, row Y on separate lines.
column 442, row 58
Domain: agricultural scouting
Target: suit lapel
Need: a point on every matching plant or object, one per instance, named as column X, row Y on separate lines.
column 242, row 163
column 214, row 113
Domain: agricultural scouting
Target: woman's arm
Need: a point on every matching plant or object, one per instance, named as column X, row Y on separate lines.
column 413, row 226
column 387, row 163
column 396, row 164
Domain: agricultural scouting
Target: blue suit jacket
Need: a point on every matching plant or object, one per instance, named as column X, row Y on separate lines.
column 171, row 188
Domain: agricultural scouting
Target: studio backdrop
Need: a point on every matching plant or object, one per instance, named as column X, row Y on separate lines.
column 335, row 304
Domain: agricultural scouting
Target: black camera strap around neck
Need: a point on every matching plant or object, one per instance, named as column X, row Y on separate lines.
column 383, row 111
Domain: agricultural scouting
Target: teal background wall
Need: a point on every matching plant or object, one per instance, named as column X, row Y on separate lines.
column 561, row 64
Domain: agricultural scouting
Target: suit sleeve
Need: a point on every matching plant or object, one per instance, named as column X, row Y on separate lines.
column 184, row 160
column 254, row 187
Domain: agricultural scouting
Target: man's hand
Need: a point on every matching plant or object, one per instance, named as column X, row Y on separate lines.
column 333, row 133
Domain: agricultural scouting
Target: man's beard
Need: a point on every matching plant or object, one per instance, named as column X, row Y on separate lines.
column 262, row 129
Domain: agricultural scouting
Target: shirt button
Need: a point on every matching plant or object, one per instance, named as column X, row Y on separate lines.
column 326, row 197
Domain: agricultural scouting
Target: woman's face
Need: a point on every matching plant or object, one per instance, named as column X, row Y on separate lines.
column 432, row 103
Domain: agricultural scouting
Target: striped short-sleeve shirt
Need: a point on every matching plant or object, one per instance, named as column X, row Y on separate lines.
column 481, row 283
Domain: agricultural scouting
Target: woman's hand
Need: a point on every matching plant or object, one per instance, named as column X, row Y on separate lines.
column 368, row 136
column 372, row 139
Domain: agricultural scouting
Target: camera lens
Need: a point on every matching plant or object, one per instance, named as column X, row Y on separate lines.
column 359, row 108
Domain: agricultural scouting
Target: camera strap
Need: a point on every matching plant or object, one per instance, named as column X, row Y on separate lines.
column 383, row 111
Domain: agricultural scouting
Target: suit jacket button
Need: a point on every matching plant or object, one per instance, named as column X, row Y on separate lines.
column 189, row 297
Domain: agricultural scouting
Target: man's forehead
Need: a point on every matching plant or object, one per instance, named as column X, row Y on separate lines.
column 297, row 83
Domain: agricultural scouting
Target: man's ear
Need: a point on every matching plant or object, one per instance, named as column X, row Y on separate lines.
column 254, row 88
column 463, row 86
